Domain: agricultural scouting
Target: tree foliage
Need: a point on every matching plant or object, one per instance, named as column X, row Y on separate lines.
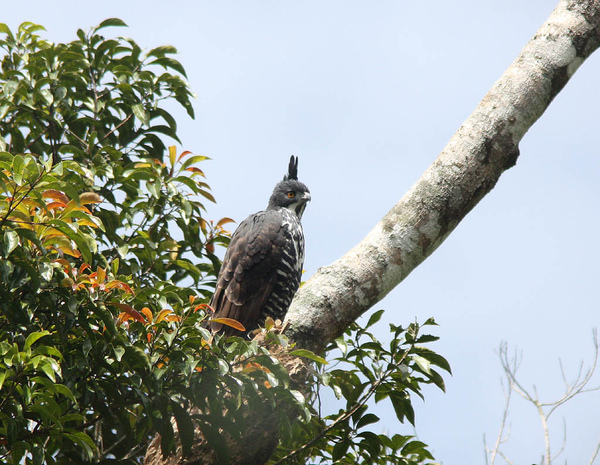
column 107, row 265
column 367, row 370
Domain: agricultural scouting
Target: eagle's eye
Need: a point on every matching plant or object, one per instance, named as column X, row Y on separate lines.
column 291, row 194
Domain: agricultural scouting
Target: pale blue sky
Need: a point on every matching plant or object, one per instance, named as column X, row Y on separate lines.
column 367, row 94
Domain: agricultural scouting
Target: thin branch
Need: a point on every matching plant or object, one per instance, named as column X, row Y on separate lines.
column 501, row 439
column 116, row 128
column 506, row 459
column 84, row 143
column 544, row 420
column 485, row 450
column 591, row 462
column 512, row 371
column 12, row 207
column 576, row 388
column 564, row 443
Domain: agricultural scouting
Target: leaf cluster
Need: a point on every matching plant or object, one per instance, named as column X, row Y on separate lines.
column 367, row 370
column 100, row 219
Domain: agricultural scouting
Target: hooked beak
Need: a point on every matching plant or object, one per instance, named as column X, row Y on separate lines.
column 301, row 206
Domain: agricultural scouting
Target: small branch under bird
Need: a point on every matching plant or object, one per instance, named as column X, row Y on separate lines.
column 262, row 267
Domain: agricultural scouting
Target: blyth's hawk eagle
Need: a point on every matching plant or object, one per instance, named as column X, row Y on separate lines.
column 262, row 267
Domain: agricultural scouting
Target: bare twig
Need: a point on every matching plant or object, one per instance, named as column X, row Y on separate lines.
column 595, row 454
column 116, row 127
column 501, row 438
column 573, row 388
column 579, row 387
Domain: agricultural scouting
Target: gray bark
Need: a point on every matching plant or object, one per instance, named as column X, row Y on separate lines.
column 485, row 146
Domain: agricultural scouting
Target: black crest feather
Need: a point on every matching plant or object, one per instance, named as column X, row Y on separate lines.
column 292, row 169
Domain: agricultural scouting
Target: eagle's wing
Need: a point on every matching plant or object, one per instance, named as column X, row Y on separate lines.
column 249, row 270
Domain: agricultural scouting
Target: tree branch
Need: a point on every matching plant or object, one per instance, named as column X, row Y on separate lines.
column 485, row 146
column 595, row 454
column 501, row 438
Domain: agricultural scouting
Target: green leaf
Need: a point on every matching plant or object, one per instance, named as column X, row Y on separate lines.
column 11, row 241
column 402, row 406
column 48, row 368
column 83, row 441
column 371, row 443
column 185, row 426
column 154, row 188
column 168, row 62
column 47, row 95
column 434, row 358
column 18, row 166
column 111, row 22
column 4, row 110
column 341, row 344
column 9, row 88
column 308, row 354
column 192, row 161
column 31, row 271
column 187, row 265
column 216, row 439
column 430, row 322
column 367, row 419
column 34, row 337
column 189, row 182
column 162, row 51
column 437, row 379
column 423, row 363
column 3, row 375
column 374, row 318
column 340, row 450
column 65, row 391
column 37, row 455
column 140, row 112
column 415, row 447
column 425, row 338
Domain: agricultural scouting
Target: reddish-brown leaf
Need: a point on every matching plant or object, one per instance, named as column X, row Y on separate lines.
column 55, row 205
column 195, row 170
column 223, row 221
column 100, row 275
column 235, row 324
column 204, row 307
column 116, row 284
column 132, row 312
column 55, row 195
column 168, row 315
column 147, row 313
column 183, row 154
column 89, row 197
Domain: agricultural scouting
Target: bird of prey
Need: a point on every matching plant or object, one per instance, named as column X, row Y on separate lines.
column 262, row 267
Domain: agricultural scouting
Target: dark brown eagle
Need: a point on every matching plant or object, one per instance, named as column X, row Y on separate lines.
column 262, row 268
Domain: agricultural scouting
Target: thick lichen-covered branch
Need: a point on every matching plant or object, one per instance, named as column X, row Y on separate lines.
column 485, row 146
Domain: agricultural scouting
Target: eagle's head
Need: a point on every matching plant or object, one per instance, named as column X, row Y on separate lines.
column 290, row 193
